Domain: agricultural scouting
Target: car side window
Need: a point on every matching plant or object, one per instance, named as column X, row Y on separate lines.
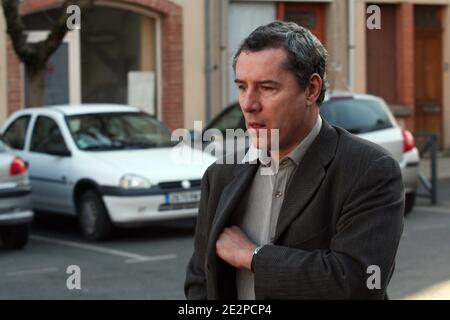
column 46, row 132
column 232, row 119
column 15, row 134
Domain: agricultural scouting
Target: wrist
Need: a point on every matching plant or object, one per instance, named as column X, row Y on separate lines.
column 255, row 252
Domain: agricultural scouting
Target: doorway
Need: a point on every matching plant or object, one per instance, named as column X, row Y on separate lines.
column 428, row 69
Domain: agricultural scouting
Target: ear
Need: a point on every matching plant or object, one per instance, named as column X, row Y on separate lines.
column 313, row 90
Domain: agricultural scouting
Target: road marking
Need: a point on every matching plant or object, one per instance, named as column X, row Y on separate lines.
column 153, row 258
column 131, row 257
column 443, row 210
column 29, row 272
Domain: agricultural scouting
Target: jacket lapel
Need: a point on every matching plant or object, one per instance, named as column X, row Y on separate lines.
column 308, row 177
column 230, row 198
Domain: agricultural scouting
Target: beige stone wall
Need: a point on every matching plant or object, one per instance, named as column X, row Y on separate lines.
column 3, row 69
column 337, row 45
column 194, row 93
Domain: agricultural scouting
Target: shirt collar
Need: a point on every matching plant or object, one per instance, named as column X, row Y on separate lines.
column 299, row 151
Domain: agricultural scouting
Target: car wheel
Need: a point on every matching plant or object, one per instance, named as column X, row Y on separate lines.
column 15, row 237
column 94, row 219
column 410, row 199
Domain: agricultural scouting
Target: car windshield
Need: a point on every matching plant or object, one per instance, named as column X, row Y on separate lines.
column 356, row 115
column 118, row 131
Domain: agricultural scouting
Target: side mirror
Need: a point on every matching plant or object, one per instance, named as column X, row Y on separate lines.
column 58, row 149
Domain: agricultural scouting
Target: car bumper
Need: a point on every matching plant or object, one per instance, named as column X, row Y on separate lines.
column 15, row 207
column 410, row 170
column 137, row 210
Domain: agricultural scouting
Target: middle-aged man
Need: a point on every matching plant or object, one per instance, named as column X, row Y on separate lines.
column 327, row 223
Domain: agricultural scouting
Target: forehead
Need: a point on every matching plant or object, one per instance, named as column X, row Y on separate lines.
column 261, row 63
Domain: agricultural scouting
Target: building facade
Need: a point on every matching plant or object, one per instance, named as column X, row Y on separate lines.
column 406, row 61
column 128, row 51
column 173, row 57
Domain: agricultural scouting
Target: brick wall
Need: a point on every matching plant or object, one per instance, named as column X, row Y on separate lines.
column 172, row 58
column 14, row 79
column 405, row 59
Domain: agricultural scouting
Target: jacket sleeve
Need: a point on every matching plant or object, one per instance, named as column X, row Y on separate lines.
column 367, row 236
column 195, row 283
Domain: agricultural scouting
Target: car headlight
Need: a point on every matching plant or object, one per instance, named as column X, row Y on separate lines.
column 131, row 181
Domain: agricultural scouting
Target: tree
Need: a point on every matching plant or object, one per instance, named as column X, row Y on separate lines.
column 35, row 55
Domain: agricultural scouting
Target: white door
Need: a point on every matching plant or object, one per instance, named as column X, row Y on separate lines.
column 244, row 17
column 49, row 173
column 62, row 77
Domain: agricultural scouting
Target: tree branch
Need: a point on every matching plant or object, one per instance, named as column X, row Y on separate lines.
column 35, row 55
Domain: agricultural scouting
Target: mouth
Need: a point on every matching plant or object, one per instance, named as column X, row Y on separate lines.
column 257, row 125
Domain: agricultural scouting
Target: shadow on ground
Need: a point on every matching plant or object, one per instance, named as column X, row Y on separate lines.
column 56, row 225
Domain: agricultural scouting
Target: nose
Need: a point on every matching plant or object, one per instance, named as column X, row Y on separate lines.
column 250, row 101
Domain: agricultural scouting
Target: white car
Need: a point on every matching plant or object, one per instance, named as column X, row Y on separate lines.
column 111, row 165
column 364, row 115
column 368, row 117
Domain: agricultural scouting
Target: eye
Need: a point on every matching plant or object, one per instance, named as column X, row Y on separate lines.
column 268, row 89
column 241, row 87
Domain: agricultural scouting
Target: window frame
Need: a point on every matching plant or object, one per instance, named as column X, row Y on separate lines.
column 30, row 146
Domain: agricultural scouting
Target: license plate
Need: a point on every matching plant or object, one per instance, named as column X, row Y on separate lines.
column 183, row 197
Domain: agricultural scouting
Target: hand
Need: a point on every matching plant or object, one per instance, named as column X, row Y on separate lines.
column 234, row 247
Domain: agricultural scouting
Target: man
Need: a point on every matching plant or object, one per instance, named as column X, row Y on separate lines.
column 328, row 223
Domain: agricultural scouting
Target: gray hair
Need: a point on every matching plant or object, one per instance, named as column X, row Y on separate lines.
column 306, row 54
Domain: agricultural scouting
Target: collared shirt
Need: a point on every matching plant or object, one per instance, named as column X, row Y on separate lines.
column 265, row 197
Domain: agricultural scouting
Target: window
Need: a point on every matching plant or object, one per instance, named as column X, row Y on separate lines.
column 46, row 133
column 356, row 115
column 3, row 146
column 16, row 133
column 118, row 131
column 231, row 119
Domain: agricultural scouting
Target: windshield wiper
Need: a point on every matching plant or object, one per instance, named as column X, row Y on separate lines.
column 103, row 147
column 130, row 144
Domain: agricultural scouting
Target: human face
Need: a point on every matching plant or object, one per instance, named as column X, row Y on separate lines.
column 271, row 98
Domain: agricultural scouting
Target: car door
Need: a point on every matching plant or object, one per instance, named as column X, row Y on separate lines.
column 50, row 164
column 15, row 134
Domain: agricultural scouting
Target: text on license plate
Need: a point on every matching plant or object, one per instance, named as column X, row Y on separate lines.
column 183, row 197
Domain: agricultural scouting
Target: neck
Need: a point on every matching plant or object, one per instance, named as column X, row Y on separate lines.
column 284, row 151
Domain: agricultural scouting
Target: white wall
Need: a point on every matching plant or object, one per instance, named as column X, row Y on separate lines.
column 193, row 60
column 241, row 22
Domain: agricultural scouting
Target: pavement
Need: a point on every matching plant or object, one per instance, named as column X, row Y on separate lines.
column 423, row 260
column 150, row 263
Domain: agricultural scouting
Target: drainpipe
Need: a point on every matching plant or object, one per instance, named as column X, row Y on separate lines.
column 351, row 44
column 208, row 55
column 224, row 53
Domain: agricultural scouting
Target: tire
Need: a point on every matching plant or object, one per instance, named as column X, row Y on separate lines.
column 410, row 200
column 15, row 237
column 95, row 223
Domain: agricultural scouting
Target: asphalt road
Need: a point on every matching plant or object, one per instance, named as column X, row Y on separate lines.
column 149, row 263
column 144, row 263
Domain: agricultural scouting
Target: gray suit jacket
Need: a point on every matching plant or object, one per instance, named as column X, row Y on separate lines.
column 343, row 212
